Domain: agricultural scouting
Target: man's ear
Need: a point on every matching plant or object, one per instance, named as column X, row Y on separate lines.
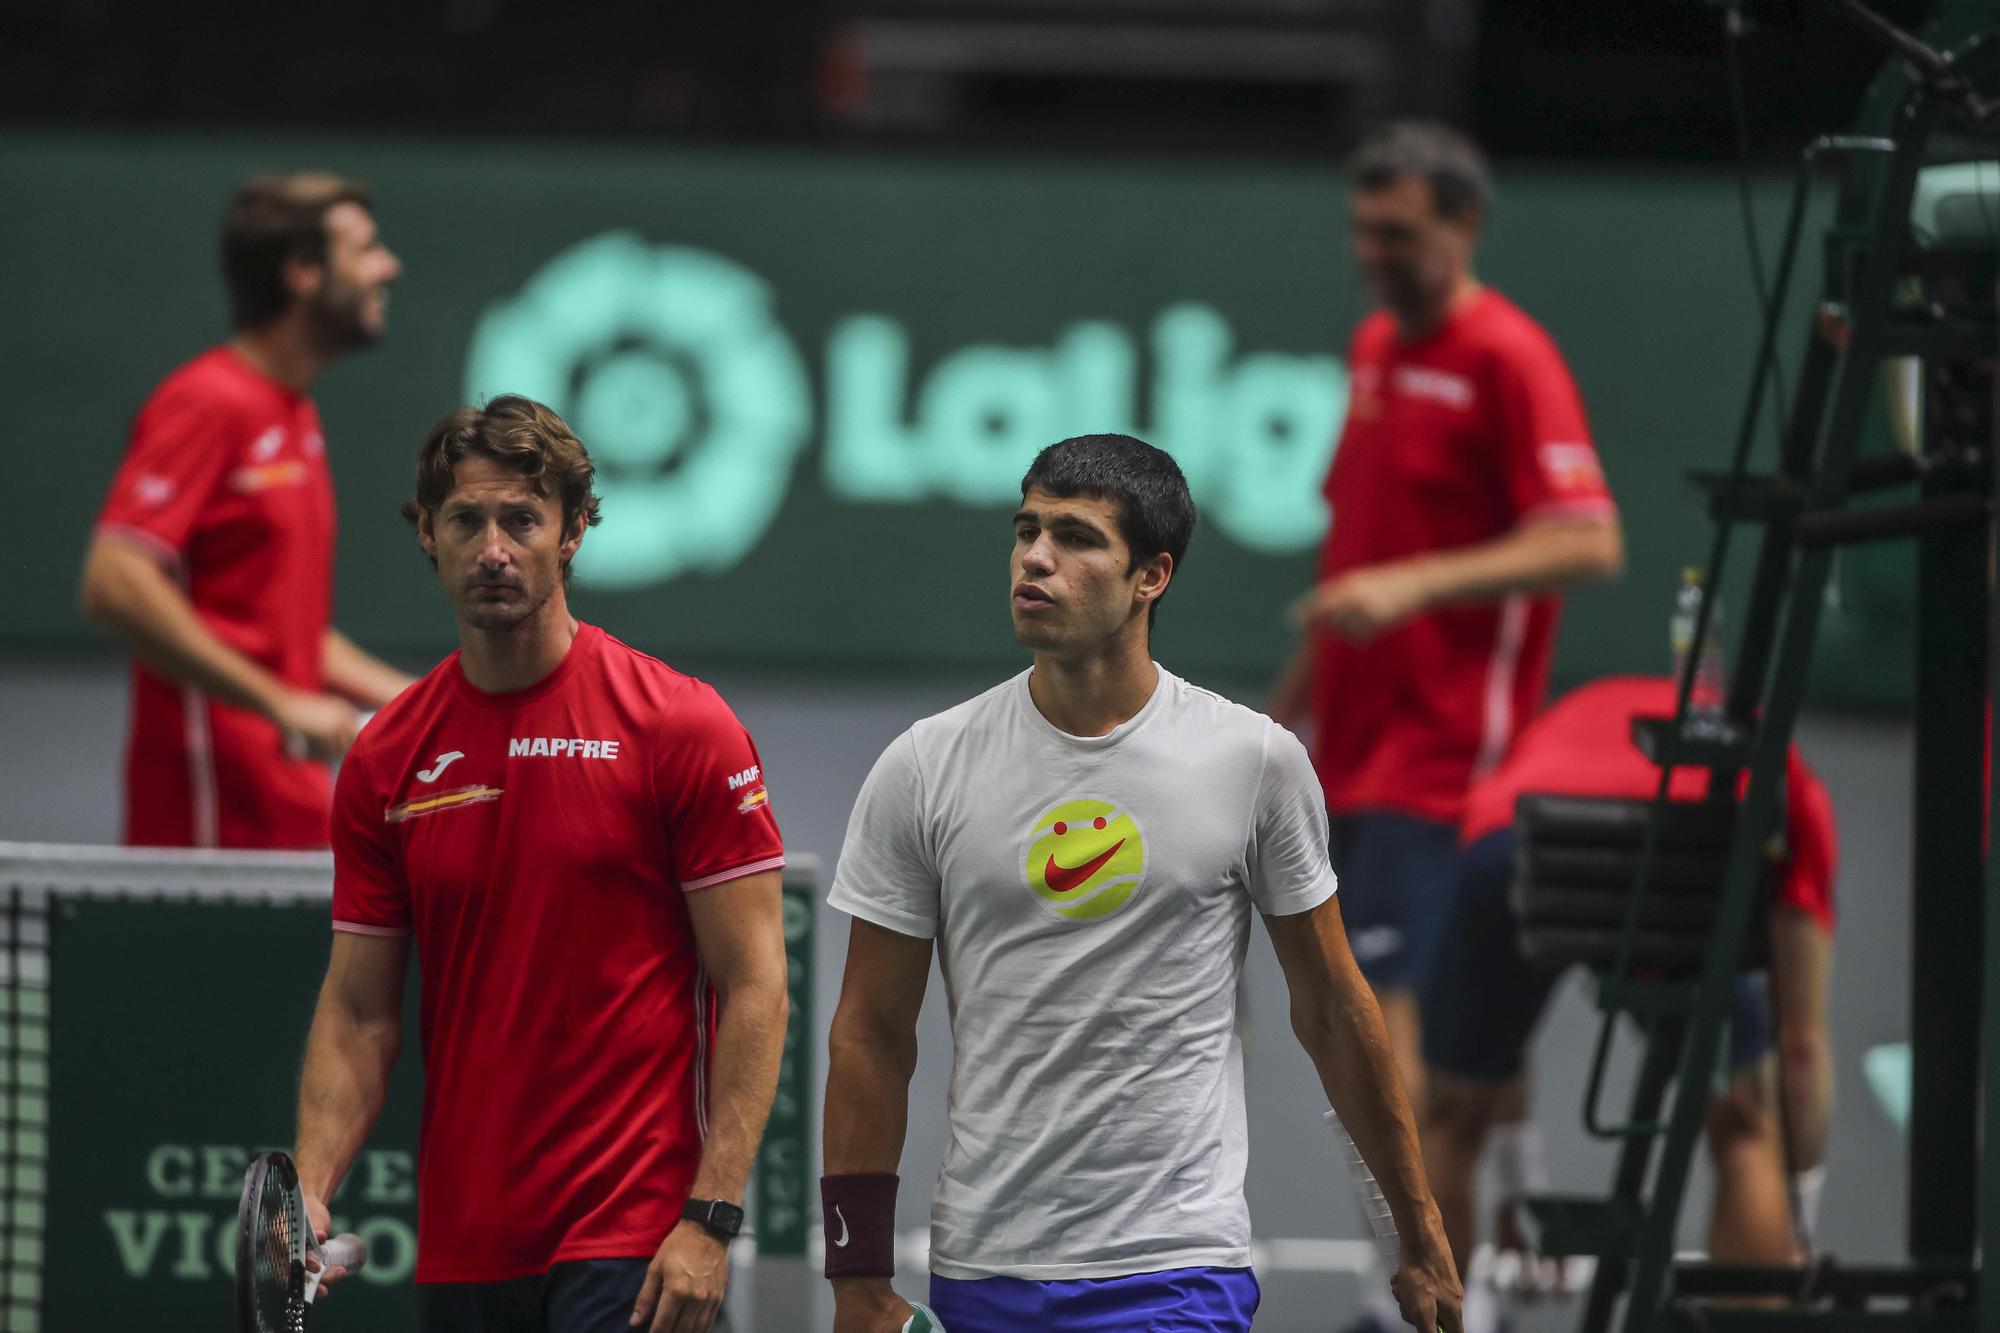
column 573, row 538
column 303, row 278
column 1154, row 576
column 426, row 537
column 1470, row 224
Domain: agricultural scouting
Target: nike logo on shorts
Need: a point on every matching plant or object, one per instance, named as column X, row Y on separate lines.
column 1372, row 942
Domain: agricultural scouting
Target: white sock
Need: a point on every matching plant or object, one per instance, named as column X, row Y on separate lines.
column 1520, row 1165
column 1482, row 1308
column 1810, row 1184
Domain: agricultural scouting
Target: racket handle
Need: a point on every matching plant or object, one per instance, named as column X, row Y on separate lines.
column 1368, row 1193
column 347, row 1251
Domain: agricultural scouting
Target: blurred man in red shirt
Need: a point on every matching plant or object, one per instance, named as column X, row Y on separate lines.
column 1487, row 997
column 1465, row 493
column 213, row 554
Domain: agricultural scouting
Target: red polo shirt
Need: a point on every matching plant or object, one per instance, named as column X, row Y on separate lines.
column 1582, row 746
column 225, row 482
column 539, row 846
column 1451, row 440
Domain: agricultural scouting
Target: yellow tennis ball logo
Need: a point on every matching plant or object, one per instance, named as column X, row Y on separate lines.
column 1086, row 859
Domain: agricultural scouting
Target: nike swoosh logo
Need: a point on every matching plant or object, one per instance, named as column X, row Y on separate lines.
column 1063, row 878
column 439, row 765
column 842, row 1242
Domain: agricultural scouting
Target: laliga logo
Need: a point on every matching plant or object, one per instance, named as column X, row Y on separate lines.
column 1086, row 859
column 696, row 406
column 1254, row 432
column 671, row 368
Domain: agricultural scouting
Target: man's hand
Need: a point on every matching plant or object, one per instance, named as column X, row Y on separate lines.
column 318, row 726
column 868, row 1305
column 317, row 1216
column 1290, row 701
column 684, row 1283
column 1427, row 1290
column 1365, row 603
column 321, row 1223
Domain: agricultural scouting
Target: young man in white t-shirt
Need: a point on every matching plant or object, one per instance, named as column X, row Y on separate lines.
column 1085, row 842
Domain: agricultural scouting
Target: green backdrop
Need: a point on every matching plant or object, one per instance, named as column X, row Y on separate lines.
column 175, row 1031
column 813, row 380
column 174, row 1037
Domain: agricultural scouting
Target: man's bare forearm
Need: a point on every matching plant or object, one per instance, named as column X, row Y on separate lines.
column 1349, row 1048
column 128, row 593
column 358, row 675
column 1541, row 557
column 749, row 1044
column 346, row 1078
column 868, row 1072
column 867, row 1099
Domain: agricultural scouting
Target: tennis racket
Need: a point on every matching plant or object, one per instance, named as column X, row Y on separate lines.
column 274, row 1290
column 1381, row 1223
column 1368, row 1193
column 922, row 1320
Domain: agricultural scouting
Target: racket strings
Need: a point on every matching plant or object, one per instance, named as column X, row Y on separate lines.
column 280, row 1272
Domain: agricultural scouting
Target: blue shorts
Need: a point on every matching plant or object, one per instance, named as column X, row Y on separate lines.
column 1397, row 875
column 581, row 1296
column 1178, row 1300
column 1484, row 999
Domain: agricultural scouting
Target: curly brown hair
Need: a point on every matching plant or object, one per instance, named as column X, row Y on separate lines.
column 516, row 432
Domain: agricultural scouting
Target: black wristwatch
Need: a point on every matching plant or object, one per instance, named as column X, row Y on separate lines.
column 722, row 1218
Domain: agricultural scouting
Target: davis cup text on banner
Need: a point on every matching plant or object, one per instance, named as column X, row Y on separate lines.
column 185, row 1228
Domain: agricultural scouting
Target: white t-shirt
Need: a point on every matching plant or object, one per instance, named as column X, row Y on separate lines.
column 1090, row 896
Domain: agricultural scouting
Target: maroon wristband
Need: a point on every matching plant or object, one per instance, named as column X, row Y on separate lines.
column 860, row 1213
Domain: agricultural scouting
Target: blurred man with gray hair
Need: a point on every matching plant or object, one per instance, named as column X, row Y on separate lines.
column 1466, row 494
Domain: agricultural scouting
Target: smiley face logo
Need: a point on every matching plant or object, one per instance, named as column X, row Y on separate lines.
column 1086, row 859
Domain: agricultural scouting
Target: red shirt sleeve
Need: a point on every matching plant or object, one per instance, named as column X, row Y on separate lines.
column 182, row 443
column 1812, row 844
column 712, row 794
column 1551, row 465
column 369, row 894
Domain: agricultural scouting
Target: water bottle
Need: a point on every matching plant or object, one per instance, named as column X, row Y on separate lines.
column 1707, row 703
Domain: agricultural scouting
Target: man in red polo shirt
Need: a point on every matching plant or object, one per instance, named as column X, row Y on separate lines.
column 213, row 554
column 577, row 842
column 1487, row 997
column 1465, row 493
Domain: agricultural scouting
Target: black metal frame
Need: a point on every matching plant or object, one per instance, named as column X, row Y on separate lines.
column 1805, row 510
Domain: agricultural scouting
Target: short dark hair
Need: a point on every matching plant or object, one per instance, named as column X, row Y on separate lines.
column 1461, row 182
column 1156, row 514
column 519, row 433
column 273, row 219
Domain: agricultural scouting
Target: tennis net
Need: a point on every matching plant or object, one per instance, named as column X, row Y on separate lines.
column 133, row 981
